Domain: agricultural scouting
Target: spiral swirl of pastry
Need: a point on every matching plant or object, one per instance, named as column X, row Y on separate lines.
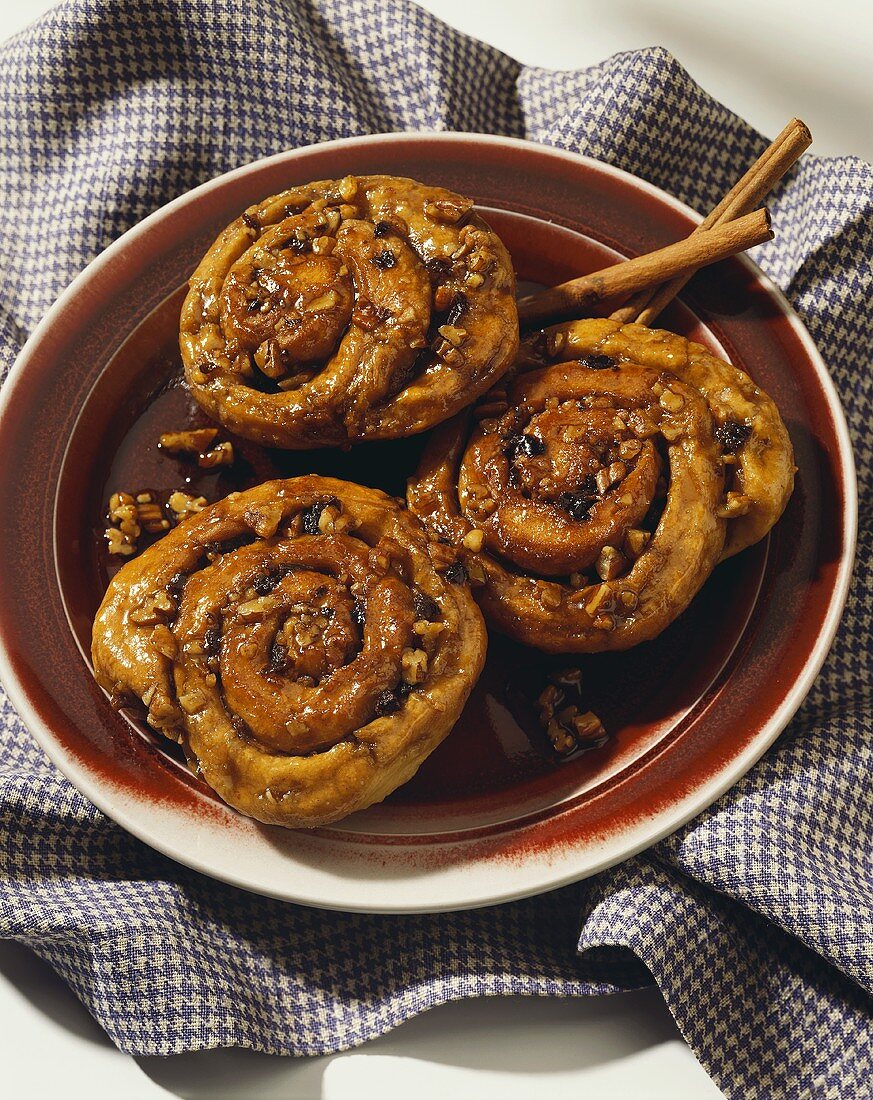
column 299, row 642
column 754, row 444
column 371, row 307
column 588, row 496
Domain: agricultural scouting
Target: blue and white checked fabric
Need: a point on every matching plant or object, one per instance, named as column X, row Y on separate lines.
column 755, row 920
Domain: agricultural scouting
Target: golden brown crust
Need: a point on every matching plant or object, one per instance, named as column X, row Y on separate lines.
column 749, row 429
column 598, row 493
column 307, row 675
column 371, row 307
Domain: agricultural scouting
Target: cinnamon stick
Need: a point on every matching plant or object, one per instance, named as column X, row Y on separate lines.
column 776, row 160
column 574, row 298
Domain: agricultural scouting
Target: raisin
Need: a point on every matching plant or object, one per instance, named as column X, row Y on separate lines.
column 577, row 505
column 175, row 585
column 438, row 268
column 381, row 229
column 386, row 703
column 264, row 583
column 456, row 573
column 458, row 308
column 731, row 435
column 215, row 549
column 254, row 305
column 278, row 658
column 297, row 245
column 598, row 362
column 211, row 641
column 523, row 445
column 425, row 607
column 251, row 222
column 309, row 519
column 384, row 259
column 310, row 516
column 588, row 487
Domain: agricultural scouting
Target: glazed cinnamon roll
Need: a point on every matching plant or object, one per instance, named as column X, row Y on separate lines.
column 299, row 642
column 754, row 444
column 371, row 307
column 589, row 497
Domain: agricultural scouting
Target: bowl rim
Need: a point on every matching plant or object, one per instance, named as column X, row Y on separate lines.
column 689, row 805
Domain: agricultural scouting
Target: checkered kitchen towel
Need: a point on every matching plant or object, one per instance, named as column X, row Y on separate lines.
column 755, row 920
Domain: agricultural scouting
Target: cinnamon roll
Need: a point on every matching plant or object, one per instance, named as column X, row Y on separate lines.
column 754, row 443
column 299, row 642
column 371, row 307
column 589, row 497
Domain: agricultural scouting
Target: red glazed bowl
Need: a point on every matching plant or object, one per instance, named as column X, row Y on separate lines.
column 490, row 816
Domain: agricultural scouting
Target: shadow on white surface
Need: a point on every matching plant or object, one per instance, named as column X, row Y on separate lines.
column 504, row 1048
column 45, row 993
column 491, row 1049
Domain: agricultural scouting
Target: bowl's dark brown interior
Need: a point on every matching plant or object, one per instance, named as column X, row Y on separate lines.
column 497, row 746
column 85, row 380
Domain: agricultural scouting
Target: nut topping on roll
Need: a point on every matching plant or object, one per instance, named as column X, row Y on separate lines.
column 754, row 444
column 596, row 485
column 371, row 307
column 299, row 642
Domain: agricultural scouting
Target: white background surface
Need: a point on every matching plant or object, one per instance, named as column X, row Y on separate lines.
column 768, row 60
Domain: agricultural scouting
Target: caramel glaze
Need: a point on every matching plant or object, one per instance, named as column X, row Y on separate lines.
column 591, row 497
column 299, row 642
column 497, row 747
column 371, row 307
